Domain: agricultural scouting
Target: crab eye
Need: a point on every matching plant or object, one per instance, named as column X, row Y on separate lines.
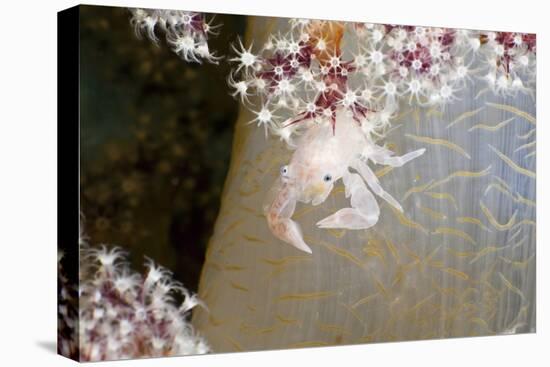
column 284, row 170
column 327, row 177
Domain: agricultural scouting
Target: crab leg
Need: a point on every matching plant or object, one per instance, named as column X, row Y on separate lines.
column 279, row 222
column 384, row 156
column 373, row 182
column 364, row 211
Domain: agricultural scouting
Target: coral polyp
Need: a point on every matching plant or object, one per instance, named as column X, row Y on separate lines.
column 186, row 32
column 367, row 69
column 117, row 313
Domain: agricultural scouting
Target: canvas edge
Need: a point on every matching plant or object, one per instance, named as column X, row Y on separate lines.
column 68, row 164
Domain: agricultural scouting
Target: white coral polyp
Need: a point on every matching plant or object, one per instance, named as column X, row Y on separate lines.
column 126, row 315
column 185, row 32
column 421, row 65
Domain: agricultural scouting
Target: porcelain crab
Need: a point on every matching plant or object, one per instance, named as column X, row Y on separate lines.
column 322, row 157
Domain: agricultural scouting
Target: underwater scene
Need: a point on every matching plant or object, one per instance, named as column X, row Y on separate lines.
column 253, row 183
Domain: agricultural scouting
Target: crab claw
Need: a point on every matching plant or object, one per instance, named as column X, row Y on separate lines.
column 289, row 231
column 364, row 212
column 348, row 218
column 278, row 219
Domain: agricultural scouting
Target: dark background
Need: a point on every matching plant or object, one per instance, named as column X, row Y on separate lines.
column 156, row 135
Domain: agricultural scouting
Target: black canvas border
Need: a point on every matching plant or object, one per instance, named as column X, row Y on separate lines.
column 68, row 154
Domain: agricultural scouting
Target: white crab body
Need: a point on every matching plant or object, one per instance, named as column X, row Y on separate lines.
column 322, row 157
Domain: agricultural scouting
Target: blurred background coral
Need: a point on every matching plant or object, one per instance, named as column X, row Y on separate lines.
column 156, row 138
